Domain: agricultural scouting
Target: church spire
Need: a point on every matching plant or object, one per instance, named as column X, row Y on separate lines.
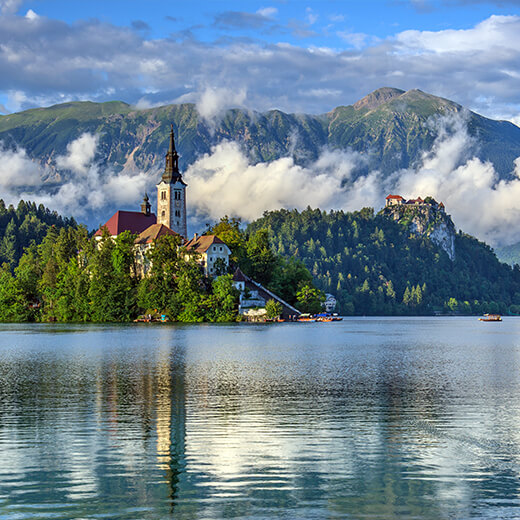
column 171, row 171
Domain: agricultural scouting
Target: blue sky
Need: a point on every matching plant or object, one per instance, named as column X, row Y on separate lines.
column 298, row 56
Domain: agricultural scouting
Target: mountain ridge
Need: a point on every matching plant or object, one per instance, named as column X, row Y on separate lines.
column 391, row 127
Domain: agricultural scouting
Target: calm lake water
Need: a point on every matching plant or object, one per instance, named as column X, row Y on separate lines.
column 365, row 418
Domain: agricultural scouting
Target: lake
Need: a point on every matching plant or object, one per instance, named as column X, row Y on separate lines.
column 365, row 418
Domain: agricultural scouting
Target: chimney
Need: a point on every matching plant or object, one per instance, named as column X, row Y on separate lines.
column 195, row 236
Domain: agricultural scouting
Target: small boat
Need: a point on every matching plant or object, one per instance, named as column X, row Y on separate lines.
column 306, row 317
column 491, row 317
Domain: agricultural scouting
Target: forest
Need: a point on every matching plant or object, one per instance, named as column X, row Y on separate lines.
column 67, row 276
column 52, row 270
column 375, row 266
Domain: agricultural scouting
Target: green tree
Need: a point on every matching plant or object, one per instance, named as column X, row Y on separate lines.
column 158, row 290
column 273, row 309
column 390, row 291
column 12, row 307
column 229, row 231
column 223, row 302
column 310, row 299
column 262, row 260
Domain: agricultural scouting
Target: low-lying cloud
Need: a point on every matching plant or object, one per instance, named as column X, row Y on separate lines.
column 87, row 187
column 226, row 182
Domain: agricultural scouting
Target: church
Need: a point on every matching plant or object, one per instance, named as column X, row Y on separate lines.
column 170, row 220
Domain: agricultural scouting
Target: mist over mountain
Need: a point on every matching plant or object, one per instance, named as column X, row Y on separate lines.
column 90, row 158
column 390, row 126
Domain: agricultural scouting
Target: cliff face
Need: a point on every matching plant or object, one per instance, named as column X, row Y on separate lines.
column 426, row 219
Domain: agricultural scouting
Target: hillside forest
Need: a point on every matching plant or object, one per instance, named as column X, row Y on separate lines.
column 375, row 266
column 53, row 271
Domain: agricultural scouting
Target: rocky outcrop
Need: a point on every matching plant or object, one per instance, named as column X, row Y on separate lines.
column 427, row 219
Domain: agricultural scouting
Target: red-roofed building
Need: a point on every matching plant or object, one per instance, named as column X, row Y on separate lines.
column 134, row 221
column 152, row 233
column 394, row 200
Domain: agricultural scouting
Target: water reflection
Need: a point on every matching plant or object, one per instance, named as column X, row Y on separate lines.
column 371, row 419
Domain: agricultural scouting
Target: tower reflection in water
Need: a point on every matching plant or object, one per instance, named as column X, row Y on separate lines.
column 255, row 422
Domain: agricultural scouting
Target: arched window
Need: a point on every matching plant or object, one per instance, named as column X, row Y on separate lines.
column 163, row 213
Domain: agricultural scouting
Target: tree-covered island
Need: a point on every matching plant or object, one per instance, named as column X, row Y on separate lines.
column 375, row 264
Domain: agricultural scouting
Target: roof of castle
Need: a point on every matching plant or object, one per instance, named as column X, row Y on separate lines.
column 202, row 244
column 398, row 197
column 134, row 221
column 154, row 232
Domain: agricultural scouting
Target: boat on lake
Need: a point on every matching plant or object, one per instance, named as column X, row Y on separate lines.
column 491, row 317
column 306, row 317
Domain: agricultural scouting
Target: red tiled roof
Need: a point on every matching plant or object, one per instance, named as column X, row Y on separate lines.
column 202, row 244
column 398, row 197
column 153, row 233
column 133, row 221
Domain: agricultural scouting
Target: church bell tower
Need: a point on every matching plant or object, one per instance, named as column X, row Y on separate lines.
column 171, row 193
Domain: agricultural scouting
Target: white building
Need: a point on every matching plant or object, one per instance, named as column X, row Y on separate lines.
column 330, row 303
column 213, row 253
column 171, row 193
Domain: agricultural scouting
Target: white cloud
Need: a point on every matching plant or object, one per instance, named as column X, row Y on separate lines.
column 213, row 101
column 357, row 40
column 86, row 189
column 9, row 6
column 31, row 15
column 268, row 12
column 80, row 154
column 224, row 182
column 494, row 32
column 17, row 169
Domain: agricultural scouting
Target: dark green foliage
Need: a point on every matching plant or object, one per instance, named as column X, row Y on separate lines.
column 253, row 253
column 373, row 266
column 25, row 225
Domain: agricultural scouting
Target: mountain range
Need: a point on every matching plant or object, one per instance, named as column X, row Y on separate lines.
column 391, row 127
